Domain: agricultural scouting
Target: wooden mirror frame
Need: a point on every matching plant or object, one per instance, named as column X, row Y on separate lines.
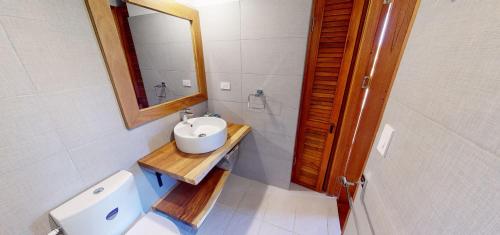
column 116, row 62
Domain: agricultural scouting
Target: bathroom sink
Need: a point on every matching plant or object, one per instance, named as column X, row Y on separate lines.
column 200, row 135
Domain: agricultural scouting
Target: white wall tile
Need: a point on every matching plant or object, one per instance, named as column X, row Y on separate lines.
column 222, row 56
column 36, row 148
column 264, row 168
column 24, row 9
column 4, row 39
column 275, row 119
column 470, row 105
column 267, row 153
column 274, row 56
column 108, row 154
column 217, row 26
column 216, row 93
column 229, row 111
column 63, row 56
column 273, row 85
column 274, row 18
column 161, row 131
column 271, row 38
column 14, row 81
column 28, row 193
column 22, row 119
column 78, row 119
column 269, row 144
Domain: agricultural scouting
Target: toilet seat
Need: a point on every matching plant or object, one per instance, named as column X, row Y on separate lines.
column 152, row 224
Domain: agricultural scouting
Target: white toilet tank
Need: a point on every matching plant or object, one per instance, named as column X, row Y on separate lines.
column 110, row 207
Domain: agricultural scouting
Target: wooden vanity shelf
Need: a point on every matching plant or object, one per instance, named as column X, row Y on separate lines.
column 192, row 199
column 192, row 203
column 191, row 168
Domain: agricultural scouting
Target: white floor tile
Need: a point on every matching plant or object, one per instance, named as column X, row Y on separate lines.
column 217, row 221
column 311, row 215
column 270, row 229
column 255, row 200
column 250, row 207
column 281, row 209
column 243, row 224
column 297, row 189
column 333, row 220
column 233, row 191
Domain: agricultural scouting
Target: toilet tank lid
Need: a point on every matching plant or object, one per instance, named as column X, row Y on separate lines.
column 91, row 196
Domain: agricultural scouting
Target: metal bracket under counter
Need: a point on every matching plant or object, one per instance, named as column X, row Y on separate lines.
column 158, row 178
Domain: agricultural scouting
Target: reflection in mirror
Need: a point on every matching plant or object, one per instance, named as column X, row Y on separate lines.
column 159, row 51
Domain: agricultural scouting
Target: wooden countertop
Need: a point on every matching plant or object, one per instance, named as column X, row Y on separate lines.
column 192, row 203
column 191, row 168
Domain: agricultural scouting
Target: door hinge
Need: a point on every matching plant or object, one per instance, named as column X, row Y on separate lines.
column 332, row 128
column 313, row 21
column 366, row 82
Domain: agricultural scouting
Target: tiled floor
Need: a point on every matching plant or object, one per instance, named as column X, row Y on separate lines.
column 249, row 207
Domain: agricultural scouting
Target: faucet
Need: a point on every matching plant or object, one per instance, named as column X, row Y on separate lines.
column 187, row 114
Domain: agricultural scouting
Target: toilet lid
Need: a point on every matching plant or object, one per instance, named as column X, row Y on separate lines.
column 152, row 224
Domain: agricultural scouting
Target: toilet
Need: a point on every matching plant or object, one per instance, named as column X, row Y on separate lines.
column 110, row 207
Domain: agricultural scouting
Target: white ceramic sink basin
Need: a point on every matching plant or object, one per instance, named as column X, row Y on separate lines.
column 200, row 135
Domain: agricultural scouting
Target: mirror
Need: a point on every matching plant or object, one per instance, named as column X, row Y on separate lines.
column 159, row 51
column 154, row 55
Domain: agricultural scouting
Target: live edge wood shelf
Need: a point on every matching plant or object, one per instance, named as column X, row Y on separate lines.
column 192, row 203
column 191, row 168
column 192, row 199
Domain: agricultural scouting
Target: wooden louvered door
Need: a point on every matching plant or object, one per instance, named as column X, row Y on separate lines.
column 332, row 43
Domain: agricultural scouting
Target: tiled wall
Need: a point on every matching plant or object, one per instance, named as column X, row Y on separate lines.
column 60, row 126
column 61, row 129
column 441, row 173
column 257, row 44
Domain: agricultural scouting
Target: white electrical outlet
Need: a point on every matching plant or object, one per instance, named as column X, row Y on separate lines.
column 186, row 83
column 225, row 86
column 385, row 139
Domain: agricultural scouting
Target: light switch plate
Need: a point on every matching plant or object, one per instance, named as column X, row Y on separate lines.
column 186, row 83
column 385, row 139
column 225, row 86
